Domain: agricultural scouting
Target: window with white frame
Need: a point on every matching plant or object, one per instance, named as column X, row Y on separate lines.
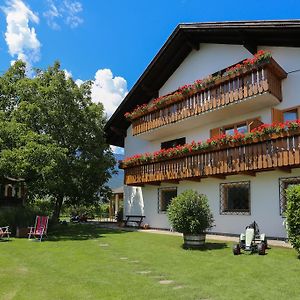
column 235, row 198
column 165, row 196
column 284, row 183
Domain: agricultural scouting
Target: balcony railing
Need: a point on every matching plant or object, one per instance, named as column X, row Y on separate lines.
column 276, row 152
column 225, row 91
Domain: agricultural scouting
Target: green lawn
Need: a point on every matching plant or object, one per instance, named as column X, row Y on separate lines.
column 84, row 262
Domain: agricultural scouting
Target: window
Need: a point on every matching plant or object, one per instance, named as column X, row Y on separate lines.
column 290, row 115
column 172, row 143
column 284, row 183
column 235, row 198
column 241, row 127
column 165, row 196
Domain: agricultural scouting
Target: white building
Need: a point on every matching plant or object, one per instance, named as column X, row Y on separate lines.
column 243, row 181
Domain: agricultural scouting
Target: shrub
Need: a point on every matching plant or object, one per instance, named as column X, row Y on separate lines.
column 293, row 216
column 120, row 214
column 189, row 213
column 43, row 206
column 17, row 217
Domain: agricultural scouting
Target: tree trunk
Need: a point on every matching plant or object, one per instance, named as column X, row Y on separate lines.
column 57, row 208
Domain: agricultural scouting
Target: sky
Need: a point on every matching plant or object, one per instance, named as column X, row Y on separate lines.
column 111, row 41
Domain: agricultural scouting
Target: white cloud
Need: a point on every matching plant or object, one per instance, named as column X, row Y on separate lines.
column 117, row 150
column 108, row 90
column 73, row 8
column 68, row 74
column 66, row 11
column 51, row 14
column 79, row 82
column 21, row 39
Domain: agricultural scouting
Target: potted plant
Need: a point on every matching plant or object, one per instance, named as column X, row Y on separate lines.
column 190, row 214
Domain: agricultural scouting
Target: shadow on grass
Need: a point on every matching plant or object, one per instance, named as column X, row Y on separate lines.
column 78, row 232
column 207, row 246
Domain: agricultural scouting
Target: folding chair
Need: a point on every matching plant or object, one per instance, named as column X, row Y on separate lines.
column 4, row 232
column 39, row 230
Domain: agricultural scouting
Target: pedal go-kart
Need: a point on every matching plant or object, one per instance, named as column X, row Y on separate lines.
column 251, row 241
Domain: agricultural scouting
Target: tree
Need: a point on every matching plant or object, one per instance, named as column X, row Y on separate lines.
column 52, row 107
column 27, row 154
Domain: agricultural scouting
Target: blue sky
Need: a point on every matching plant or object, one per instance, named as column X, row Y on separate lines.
column 111, row 42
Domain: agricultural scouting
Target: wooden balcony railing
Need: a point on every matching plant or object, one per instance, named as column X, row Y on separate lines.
column 276, row 152
column 227, row 90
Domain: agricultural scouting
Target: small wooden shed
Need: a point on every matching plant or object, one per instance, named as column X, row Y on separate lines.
column 12, row 191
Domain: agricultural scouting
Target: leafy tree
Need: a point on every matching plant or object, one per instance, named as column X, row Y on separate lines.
column 58, row 120
column 293, row 216
column 27, row 154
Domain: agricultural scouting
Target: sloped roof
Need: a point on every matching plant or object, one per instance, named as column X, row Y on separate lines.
column 182, row 41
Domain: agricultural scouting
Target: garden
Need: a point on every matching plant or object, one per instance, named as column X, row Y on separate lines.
column 84, row 261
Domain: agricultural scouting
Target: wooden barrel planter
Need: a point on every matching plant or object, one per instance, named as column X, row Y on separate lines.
column 193, row 241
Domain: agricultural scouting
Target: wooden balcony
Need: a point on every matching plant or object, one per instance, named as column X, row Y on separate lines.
column 261, row 86
column 275, row 152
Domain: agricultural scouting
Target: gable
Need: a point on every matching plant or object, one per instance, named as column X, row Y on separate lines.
column 187, row 38
column 199, row 64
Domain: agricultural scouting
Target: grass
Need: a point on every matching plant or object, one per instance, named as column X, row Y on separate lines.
column 85, row 262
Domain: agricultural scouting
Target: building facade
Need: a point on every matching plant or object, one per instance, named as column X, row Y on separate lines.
column 235, row 78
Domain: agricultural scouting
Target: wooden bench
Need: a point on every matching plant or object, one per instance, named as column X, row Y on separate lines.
column 134, row 218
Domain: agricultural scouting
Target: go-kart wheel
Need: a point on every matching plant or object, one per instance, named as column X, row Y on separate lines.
column 236, row 249
column 242, row 244
column 261, row 248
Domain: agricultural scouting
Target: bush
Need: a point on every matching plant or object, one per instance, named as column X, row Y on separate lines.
column 43, row 206
column 17, row 217
column 189, row 213
column 120, row 216
column 293, row 216
column 90, row 211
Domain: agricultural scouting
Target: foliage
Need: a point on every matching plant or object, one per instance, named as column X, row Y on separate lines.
column 90, row 210
column 293, row 216
column 120, row 214
column 25, row 153
column 262, row 132
column 189, row 213
column 104, row 207
column 20, row 216
column 190, row 89
column 43, row 205
column 52, row 135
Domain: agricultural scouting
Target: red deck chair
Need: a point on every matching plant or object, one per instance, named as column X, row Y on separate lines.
column 4, row 232
column 40, row 228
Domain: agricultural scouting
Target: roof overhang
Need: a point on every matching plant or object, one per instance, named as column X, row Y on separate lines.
column 184, row 39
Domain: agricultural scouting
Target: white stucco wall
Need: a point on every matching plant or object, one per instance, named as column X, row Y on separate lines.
column 199, row 64
column 264, row 201
column 264, row 187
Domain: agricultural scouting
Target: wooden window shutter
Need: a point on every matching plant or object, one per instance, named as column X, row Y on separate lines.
column 277, row 115
column 215, row 132
column 252, row 124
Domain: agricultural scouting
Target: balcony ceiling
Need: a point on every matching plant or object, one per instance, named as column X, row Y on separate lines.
column 184, row 39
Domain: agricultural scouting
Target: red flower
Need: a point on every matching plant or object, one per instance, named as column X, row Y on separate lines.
column 189, row 89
